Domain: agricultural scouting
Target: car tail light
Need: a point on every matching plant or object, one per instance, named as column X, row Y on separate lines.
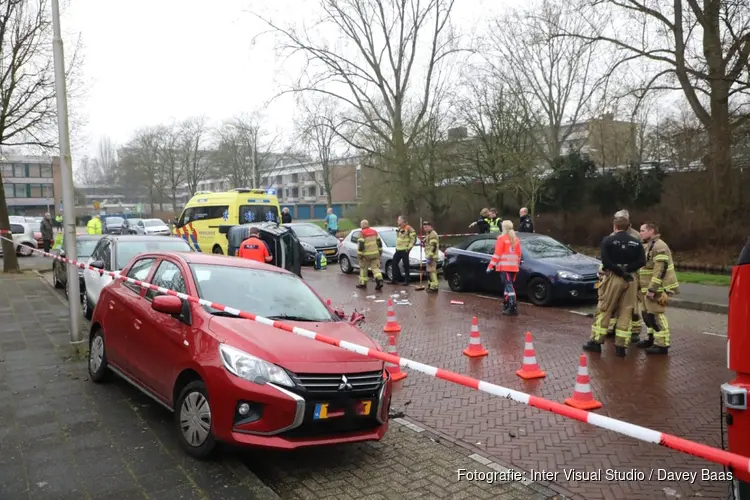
column 37, row 235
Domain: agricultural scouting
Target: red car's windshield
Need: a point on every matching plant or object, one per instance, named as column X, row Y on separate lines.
column 265, row 293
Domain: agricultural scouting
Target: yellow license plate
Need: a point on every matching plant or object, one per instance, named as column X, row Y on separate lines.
column 330, row 252
column 366, row 407
column 321, row 411
column 596, row 285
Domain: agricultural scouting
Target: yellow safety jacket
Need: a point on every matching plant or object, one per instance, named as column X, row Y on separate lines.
column 658, row 275
column 94, row 226
column 58, row 240
column 369, row 244
column 405, row 238
column 431, row 245
column 494, row 224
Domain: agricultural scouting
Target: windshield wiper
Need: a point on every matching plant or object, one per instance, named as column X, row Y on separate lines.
column 224, row 314
column 292, row 318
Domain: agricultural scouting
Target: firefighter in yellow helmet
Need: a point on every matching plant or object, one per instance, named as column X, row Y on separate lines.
column 657, row 281
column 94, row 226
column 431, row 252
column 636, row 325
column 622, row 256
column 369, row 250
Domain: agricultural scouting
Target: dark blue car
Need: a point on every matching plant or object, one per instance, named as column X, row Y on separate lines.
column 549, row 270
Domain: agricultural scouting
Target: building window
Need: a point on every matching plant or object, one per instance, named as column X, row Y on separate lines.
column 48, row 191
column 295, row 193
column 7, row 170
column 358, row 186
column 34, row 170
column 35, row 190
column 46, row 171
column 278, row 179
column 19, row 170
column 312, row 191
column 21, row 191
column 9, row 192
column 295, row 178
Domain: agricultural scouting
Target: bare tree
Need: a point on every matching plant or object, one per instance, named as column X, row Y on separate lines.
column 245, row 150
column 194, row 153
column 141, row 160
column 373, row 69
column 170, row 160
column 699, row 48
column 433, row 164
column 107, row 158
column 556, row 79
column 318, row 131
column 89, row 172
column 502, row 144
column 27, row 88
column 681, row 139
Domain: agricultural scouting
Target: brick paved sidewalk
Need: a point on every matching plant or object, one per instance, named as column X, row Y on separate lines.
column 63, row 437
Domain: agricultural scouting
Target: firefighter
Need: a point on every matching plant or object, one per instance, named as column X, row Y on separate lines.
column 406, row 238
column 483, row 223
column 506, row 260
column 622, row 255
column 369, row 250
column 254, row 248
column 94, row 226
column 494, row 221
column 658, row 282
column 431, row 251
column 636, row 325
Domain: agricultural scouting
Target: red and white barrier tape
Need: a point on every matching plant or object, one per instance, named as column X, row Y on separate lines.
column 703, row 451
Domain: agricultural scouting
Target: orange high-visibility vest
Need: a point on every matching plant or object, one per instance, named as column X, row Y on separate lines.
column 507, row 257
column 254, row 249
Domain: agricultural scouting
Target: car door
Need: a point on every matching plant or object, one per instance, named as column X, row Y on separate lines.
column 163, row 341
column 140, row 228
column 94, row 280
column 124, row 313
column 474, row 263
column 352, row 246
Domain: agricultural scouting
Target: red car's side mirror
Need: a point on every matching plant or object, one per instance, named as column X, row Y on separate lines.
column 167, row 304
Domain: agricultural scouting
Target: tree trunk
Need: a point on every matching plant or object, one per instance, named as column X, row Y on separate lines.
column 174, row 199
column 151, row 198
column 10, row 260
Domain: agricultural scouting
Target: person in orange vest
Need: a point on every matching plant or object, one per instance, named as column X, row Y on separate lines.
column 506, row 260
column 254, row 248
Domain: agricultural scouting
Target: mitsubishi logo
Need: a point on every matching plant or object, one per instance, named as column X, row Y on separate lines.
column 345, row 385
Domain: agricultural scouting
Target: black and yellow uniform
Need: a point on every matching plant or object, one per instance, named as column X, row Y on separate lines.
column 431, row 250
column 494, row 224
column 369, row 250
column 636, row 325
column 406, row 237
column 622, row 255
column 657, row 281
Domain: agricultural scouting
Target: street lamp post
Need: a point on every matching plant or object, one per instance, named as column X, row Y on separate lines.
column 66, row 175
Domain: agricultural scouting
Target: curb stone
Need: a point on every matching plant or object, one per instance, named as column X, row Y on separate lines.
column 254, row 485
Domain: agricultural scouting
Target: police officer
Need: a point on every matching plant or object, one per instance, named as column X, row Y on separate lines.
column 369, row 250
column 254, row 248
column 525, row 225
column 483, row 223
column 94, row 226
column 405, row 240
column 494, row 221
column 622, row 256
column 657, row 281
column 431, row 251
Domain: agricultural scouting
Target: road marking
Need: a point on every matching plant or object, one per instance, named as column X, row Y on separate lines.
column 714, row 334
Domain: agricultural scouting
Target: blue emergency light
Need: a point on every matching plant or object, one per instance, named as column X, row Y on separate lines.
column 271, row 191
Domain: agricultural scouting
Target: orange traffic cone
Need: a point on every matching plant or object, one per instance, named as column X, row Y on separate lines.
column 583, row 398
column 529, row 368
column 475, row 349
column 391, row 325
column 394, row 369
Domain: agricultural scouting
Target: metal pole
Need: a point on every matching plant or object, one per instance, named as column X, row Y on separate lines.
column 66, row 175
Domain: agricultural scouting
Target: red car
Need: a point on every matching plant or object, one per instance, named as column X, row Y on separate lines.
column 230, row 379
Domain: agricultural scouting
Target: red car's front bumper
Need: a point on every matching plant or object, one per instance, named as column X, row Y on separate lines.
column 286, row 418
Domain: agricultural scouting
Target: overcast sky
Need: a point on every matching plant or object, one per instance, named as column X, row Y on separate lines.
column 152, row 61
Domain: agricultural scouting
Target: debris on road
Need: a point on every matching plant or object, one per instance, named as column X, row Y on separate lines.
column 456, row 303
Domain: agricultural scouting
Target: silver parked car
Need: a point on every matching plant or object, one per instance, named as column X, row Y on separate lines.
column 348, row 253
column 152, row 227
column 23, row 238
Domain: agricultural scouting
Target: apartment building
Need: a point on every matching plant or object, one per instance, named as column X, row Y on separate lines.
column 32, row 184
column 609, row 143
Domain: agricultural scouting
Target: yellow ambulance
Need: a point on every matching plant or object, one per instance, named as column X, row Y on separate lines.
column 206, row 211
